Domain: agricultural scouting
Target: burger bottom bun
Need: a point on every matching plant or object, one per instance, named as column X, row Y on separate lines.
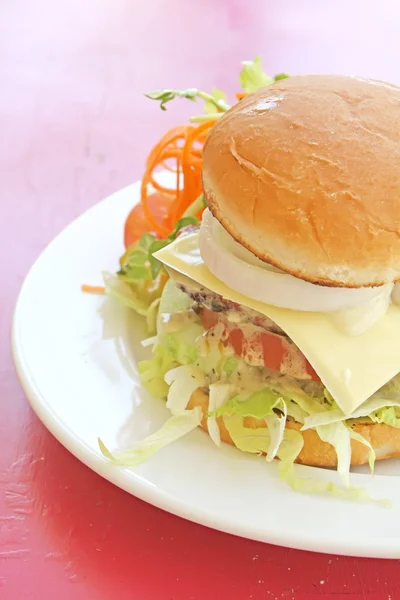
column 384, row 439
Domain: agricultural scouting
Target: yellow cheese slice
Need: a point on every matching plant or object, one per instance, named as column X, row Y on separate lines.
column 351, row 368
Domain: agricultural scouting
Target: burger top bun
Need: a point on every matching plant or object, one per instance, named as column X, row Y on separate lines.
column 305, row 173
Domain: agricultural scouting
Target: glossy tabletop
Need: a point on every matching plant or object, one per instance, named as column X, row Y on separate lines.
column 74, row 127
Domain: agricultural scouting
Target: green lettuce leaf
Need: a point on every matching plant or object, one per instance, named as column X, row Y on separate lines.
column 388, row 415
column 138, row 263
column 252, row 76
column 257, row 441
column 280, row 76
column 257, row 405
column 247, row 439
column 169, row 354
column 170, row 351
column 230, row 365
column 141, row 279
column 174, row 428
column 182, row 346
column 143, row 301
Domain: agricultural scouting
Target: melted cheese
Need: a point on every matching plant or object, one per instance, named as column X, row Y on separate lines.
column 351, row 368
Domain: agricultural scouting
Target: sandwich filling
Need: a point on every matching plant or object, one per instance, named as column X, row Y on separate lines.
column 248, row 368
column 254, row 377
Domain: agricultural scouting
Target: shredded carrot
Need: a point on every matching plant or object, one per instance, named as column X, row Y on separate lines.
column 179, row 151
column 93, row 289
column 241, row 95
column 191, row 170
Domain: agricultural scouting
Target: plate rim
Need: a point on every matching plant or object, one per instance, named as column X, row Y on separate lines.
column 126, row 479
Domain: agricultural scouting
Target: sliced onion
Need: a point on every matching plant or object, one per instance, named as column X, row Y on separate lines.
column 245, row 273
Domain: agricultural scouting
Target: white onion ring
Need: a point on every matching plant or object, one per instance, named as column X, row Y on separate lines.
column 245, row 273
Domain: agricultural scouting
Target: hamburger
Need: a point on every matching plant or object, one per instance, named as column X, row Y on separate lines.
column 278, row 329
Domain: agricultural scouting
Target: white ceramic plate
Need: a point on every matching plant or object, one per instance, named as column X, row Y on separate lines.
column 76, row 356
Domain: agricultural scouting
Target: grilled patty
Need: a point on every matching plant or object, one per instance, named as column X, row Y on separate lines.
column 236, row 313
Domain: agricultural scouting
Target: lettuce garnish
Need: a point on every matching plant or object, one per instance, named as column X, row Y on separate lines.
column 252, row 76
column 174, row 428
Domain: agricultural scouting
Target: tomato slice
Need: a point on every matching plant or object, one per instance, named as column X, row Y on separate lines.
column 277, row 352
column 136, row 224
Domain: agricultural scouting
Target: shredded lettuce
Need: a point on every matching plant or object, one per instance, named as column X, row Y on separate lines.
column 141, row 279
column 170, row 351
column 183, row 361
column 257, row 441
column 375, row 408
column 276, row 427
column 308, row 404
column 219, row 394
column 264, row 404
column 388, row 415
column 290, row 448
column 247, row 439
column 152, row 371
column 174, row 428
column 173, row 300
column 371, row 452
column 148, row 342
column 338, row 435
column 295, row 412
column 230, row 365
column 182, row 381
column 143, row 299
column 182, row 346
column 138, row 263
column 322, row 418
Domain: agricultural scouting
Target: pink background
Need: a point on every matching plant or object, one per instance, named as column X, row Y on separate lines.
column 74, row 126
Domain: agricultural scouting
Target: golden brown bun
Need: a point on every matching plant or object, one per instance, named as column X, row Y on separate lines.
column 305, row 173
column 384, row 439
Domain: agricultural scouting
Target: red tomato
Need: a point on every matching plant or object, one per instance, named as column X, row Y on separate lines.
column 136, row 224
column 275, row 348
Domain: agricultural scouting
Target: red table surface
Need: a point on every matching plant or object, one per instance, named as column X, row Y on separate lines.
column 74, row 127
